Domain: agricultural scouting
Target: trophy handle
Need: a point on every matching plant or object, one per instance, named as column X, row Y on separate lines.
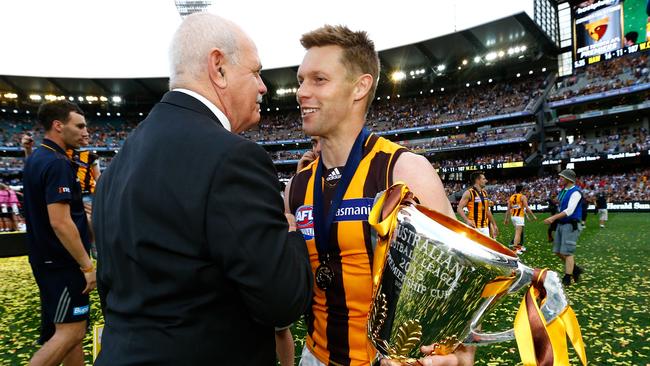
column 556, row 302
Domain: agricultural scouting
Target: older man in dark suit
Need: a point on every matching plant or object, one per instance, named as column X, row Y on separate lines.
column 196, row 262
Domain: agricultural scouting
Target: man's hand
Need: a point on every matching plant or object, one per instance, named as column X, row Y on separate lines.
column 27, row 141
column 463, row 356
column 549, row 220
column 88, row 207
column 306, row 158
column 91, row 280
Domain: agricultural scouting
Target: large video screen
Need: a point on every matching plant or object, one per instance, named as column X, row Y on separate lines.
column 605, row 29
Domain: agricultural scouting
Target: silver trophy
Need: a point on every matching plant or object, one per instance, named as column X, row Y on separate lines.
column 437, row 278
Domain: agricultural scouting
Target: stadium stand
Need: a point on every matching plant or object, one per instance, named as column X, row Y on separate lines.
column 629, row 186
column 472, row 139
column 618, row 73
column 388, row 115
column 505, row 157
column 509, row 122
column 604, row 141
column 622, row 187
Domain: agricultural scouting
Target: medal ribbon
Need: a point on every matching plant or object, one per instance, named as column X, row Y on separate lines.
column 323, row 222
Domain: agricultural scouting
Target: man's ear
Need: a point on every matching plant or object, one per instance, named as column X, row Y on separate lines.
column 216, row 68
column 57, row 125
column 362, row 86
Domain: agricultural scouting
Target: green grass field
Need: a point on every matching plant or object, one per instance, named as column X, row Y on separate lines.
column 612, row 301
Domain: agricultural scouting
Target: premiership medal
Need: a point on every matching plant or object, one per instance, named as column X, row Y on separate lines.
column 324, row 276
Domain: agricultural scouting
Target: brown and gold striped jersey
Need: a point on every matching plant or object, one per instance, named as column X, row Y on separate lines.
column 84, row 161
column 478, row 206
column 336, row 324
column 516, row 205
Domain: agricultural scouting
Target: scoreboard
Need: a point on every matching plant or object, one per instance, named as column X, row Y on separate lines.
column 607, row 29
column 628, row 50
column 469, row 168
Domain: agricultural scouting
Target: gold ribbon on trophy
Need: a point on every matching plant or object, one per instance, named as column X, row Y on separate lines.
column 435, row 278
column 545, row 344
column 382, row 219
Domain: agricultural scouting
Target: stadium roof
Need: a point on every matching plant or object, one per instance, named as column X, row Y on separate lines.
column 449, row 50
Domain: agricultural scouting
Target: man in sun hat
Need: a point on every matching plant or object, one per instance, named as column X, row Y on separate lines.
column 568, row 230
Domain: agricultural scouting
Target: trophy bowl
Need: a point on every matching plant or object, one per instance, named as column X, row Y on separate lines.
column 436, row 278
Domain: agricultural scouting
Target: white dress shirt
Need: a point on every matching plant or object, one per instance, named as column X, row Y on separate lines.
column 217, row 112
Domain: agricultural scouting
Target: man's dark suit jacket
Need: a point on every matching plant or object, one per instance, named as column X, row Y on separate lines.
column 195, row 265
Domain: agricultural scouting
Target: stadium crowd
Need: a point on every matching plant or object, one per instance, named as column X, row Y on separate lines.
column 478, row 101
column 455, row 140
column 604, row 76
column 387, row 115
column 12, row 163
column 495, row 158
column 607, row 141
column 286, row 155
column 503, row 157
column 8, row 162
column 445, row 142
column 102, row 134
column 623, row 187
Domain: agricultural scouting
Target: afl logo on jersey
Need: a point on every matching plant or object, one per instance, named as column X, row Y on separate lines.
column 305, row 221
